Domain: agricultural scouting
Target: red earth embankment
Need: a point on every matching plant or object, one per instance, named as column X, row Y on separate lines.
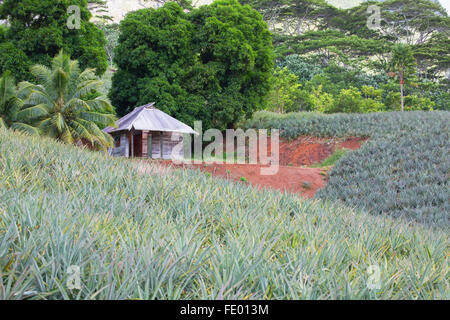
column 292, row 175
column 306, row 151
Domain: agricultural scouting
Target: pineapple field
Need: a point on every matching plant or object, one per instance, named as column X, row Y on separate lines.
column 402, row 170
column 180, row 234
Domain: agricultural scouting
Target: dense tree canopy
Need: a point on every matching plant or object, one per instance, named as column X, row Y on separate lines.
column 213, row 63
column 339, row 57
column 39, row 29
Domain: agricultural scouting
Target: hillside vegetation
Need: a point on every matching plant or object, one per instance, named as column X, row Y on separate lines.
column 180, row 234
column 403, row 170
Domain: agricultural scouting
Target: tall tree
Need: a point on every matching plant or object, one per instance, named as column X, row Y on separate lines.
column 65, row 105
column 213, row 63
column 413, row 21
column 403, row 64
column 41, row 29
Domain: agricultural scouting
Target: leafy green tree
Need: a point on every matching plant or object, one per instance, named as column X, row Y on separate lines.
column 294, row 17
column 403, row 65
column 412, row 21
column 213, row 63
column 11, row 104
column 235, row 52
column 40, row 29
column 154, row 55
column 433, row 56
column 14, row 60
column 65, row 104
column 319, row 101
column 303, row 68
column 285, row 91
column 352, row 101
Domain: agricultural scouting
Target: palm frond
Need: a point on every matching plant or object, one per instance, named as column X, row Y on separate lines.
column 60, row 79
column 81, row 131
column 87, row 74
column 101, row 118
column 45, row 126
column 97, row 134
column 25, row 128
column 77, row 105
column 87, row 87
column 14, row 105
column 67, row 136
column 100, row 104
column 39, row 97
column 7, row 86
column 34, row 112
column 58, row 122
column 42, row 73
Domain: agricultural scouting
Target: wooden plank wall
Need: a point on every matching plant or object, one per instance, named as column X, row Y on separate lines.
column 156, row 145
column 170, row 140
column 145, row 144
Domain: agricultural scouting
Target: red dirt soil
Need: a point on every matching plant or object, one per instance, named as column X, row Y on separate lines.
column 306, row 151
column 305, row 181
column 291, row 177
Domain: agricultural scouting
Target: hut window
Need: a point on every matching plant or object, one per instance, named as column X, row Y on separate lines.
column 117, row 141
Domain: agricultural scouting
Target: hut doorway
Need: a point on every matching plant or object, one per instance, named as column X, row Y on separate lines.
column 136, row 144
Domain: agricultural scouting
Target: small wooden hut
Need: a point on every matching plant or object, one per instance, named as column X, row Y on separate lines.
column 148, row 133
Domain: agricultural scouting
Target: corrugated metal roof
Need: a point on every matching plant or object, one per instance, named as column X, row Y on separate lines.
column 149, row 118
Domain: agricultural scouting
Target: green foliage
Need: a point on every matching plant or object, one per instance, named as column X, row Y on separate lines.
column 285, row 91
column 337, row 89
column 351, row 101
column 330, row 45
column 213, row 63
column 403, row 63
column 15, row 60
column 331, row 160
column 65, row 104
column 300, row 66
column 11, row 105
column 433, row 57
column 177, row 234
column 403, row 169
column 112, row 33
column 316, row 29
column 317, row 100
column 39, row 29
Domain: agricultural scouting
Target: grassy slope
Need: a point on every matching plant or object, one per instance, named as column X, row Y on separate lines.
column 184, row 235
column 403, row 170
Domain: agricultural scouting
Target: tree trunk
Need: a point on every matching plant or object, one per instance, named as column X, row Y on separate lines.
column 278, row 100
column 401, row 91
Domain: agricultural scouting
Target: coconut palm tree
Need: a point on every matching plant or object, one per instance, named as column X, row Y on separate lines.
column 11, row 105
column 403, row 64
column 66, row 103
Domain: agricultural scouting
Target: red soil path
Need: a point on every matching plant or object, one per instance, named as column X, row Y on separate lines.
column 291, row 177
